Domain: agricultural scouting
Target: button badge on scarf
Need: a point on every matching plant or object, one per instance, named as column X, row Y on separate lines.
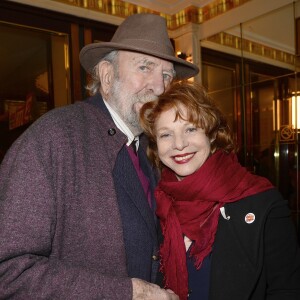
column 249, row 218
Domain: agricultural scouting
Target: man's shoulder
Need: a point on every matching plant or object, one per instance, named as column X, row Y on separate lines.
column 76, row 113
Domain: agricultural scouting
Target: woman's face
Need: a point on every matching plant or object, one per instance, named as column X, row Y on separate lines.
column 182, row 146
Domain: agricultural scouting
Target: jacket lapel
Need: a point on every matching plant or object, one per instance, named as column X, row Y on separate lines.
column 127, row 177
column 236, row 257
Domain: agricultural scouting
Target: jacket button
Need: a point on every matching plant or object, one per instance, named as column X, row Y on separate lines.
column 154, row 257
column 111, row 131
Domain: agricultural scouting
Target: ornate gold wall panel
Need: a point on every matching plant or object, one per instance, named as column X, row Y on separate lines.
column 188, row 15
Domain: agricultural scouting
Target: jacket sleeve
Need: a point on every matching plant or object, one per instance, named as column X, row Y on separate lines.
column 28, row 220
column 282, row 254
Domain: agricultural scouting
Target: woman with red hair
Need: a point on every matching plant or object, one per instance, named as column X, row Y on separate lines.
column 227, row 233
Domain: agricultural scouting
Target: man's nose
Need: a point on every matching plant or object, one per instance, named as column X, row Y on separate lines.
column 157, row 84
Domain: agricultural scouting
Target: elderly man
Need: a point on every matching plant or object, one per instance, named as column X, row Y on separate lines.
column 77, row 212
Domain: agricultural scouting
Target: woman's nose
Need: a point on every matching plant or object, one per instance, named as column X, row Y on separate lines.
column 180, row 142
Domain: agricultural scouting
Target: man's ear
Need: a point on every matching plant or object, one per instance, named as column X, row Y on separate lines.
column 106, row 73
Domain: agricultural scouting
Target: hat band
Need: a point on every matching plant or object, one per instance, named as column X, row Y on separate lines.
column 147, row 46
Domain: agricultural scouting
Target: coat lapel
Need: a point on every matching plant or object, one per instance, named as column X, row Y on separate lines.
column 236, row 256
column 127, row 177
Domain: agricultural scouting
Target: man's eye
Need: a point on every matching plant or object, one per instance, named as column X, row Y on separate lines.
column 167, row 77
column 144, row 68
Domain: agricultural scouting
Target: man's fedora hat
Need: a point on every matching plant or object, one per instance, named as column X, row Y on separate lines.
column 142, row 33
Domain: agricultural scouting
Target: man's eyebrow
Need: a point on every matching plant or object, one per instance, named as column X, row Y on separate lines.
column 145, row 61
column 148, row 62
column 171, row 71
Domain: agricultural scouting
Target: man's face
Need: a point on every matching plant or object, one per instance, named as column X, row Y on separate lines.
column 140, row 78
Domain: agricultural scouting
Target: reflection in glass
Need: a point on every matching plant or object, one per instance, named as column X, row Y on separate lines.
column 34, row 78
column 262, row 56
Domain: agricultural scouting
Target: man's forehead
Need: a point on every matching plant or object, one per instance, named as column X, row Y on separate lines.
column 145, row 58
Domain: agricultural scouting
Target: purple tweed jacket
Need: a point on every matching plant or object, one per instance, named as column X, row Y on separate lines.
column 60, row 227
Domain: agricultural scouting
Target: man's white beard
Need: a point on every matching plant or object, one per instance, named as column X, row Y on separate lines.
column 130, row 115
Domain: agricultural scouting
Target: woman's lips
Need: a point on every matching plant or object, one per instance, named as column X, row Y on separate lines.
column 183, row 158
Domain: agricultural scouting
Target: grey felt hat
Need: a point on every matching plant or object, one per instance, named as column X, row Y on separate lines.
column 142, row 33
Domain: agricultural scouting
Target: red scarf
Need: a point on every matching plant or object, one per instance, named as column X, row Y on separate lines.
column 191, row 207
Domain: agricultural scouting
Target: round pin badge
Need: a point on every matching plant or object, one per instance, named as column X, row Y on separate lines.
column 249, row 218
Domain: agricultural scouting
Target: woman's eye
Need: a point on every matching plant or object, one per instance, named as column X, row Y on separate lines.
column 164, row 135
column 192, row 129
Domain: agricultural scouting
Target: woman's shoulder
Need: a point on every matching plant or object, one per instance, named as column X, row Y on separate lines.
column 260, row 204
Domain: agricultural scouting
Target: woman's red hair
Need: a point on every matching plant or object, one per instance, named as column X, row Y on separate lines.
column 201, row 111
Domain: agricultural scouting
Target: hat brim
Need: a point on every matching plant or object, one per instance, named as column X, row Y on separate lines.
column 91, row 54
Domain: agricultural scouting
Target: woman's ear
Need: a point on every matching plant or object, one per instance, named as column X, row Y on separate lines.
column 213, row 138
column 105, row 70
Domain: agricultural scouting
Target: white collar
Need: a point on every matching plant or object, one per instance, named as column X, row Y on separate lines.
column 122, row 126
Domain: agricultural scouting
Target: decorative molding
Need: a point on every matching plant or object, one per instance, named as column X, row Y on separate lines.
column 237, row 43
column 182, row 22
column 191, row 14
